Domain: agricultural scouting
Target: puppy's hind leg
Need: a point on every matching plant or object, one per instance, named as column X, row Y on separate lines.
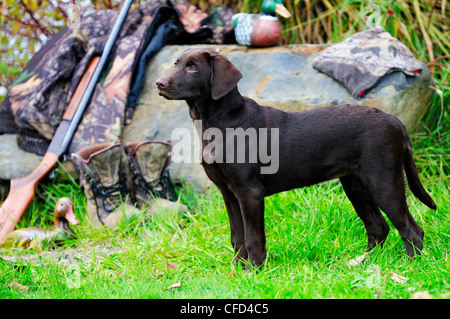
column 389, row 195
column 376, row 226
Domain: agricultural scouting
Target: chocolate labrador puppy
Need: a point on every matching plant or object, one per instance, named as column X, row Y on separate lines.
column 365, row 148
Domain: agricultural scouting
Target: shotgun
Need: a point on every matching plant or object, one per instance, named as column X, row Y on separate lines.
column 22, row 189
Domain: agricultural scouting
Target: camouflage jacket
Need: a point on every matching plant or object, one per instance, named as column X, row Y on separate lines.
column 37, row 98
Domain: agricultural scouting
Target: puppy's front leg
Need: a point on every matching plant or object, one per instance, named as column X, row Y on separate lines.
column 236, row 226
column 251, row 201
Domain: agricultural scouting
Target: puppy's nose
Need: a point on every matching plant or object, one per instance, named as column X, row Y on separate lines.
column 161, row 83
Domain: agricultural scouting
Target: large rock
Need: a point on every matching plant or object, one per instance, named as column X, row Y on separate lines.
column 281, row 77
column 15, row 162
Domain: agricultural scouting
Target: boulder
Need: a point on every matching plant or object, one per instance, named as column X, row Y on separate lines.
column 280, row 77
column 14, row 162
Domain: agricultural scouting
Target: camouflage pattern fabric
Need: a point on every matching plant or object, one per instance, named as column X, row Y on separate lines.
column 219, row 21
column 190, row 16
column 102, row 177
column 148, row 162
column 364, row 58
column 104, row 117
column 7, row 121
column 39, row 95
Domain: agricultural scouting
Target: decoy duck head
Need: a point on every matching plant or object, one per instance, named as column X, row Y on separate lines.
column 270, row 7
column 64, row 213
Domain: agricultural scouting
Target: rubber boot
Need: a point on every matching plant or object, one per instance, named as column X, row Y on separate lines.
column 104, row 183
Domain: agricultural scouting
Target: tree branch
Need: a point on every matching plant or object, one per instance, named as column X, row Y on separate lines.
column 36, row 21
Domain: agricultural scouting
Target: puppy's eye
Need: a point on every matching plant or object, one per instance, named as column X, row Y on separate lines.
column 192, row 68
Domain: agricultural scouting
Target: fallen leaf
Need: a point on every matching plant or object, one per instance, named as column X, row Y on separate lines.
column 357, row 260
column 421, row 295
column 397, row 278
column 171, row 265
column 16, row 285
column 176, row 285
column 445, row 295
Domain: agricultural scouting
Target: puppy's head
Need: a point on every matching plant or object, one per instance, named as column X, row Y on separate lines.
column 199, row 73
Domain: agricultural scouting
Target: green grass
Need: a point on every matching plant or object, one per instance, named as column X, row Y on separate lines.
column 312, row 235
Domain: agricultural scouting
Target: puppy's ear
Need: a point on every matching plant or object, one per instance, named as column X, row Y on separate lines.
column 224, row 75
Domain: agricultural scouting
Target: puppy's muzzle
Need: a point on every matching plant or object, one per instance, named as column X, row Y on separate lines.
column 162, row 83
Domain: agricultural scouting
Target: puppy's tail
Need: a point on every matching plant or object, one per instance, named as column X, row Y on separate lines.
column 411, row 173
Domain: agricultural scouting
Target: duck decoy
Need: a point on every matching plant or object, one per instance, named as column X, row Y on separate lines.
column 64, row 214
column 260, row 29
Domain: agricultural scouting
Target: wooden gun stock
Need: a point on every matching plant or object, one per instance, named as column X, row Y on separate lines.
column 22, row 189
